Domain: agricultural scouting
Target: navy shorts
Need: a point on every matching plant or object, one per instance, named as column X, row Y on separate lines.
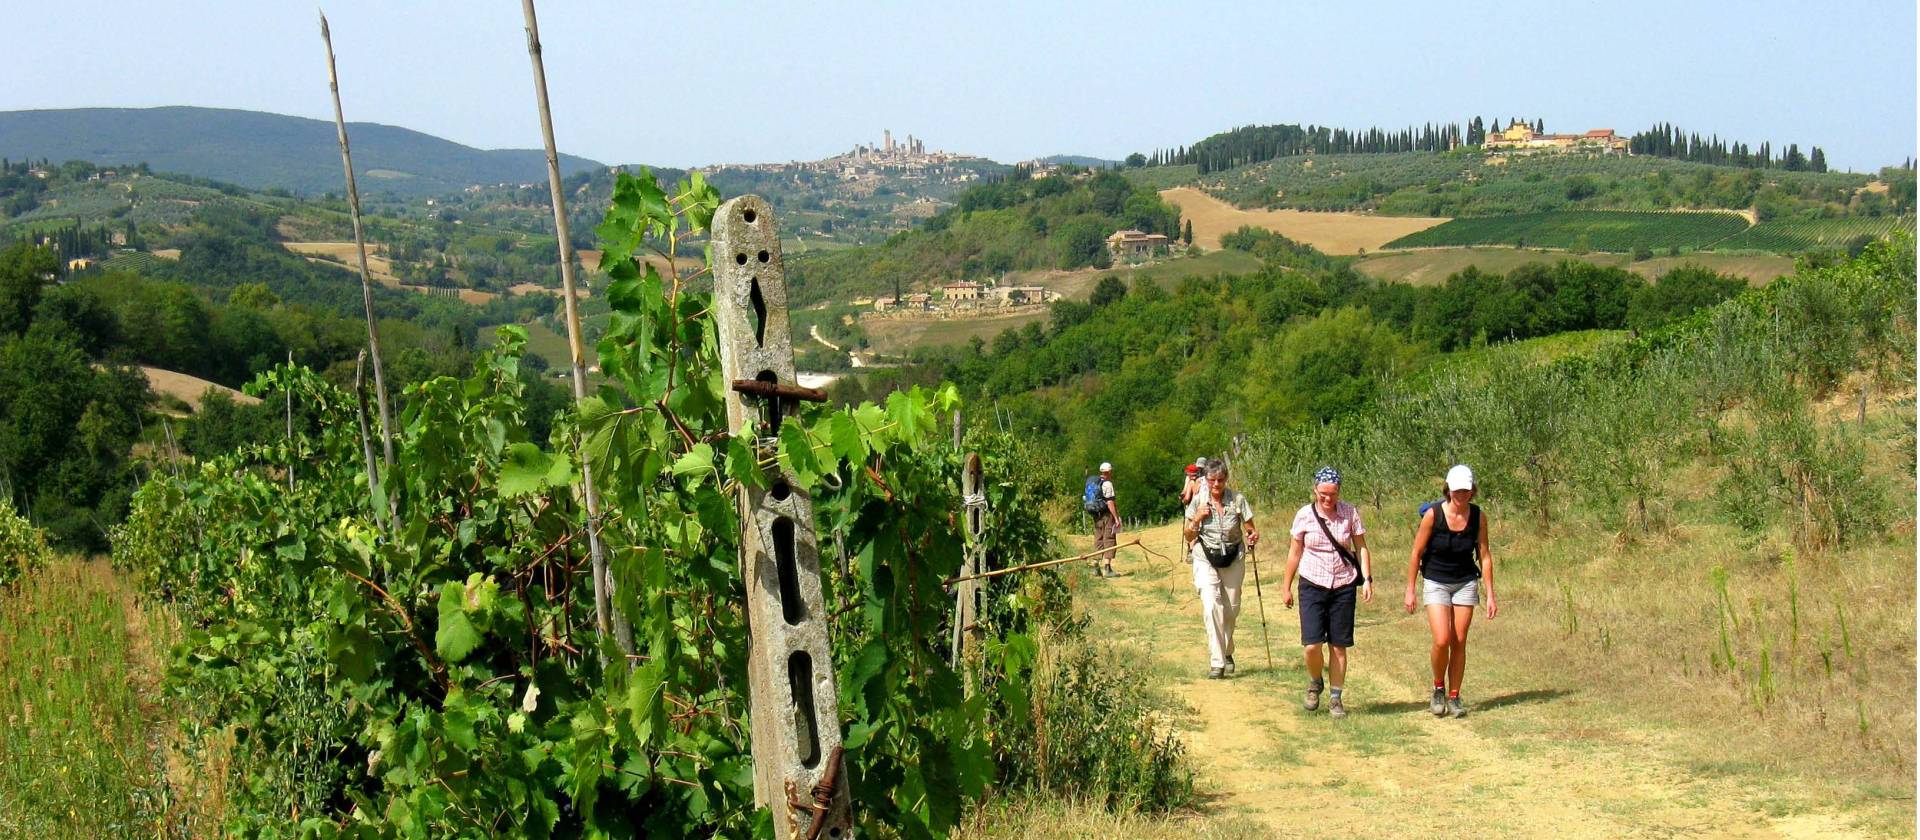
column 1326, row 615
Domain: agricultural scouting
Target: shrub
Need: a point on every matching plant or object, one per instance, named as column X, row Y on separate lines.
column 22, row 547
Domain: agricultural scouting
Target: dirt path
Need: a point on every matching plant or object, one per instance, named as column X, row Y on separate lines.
column 1530, row 760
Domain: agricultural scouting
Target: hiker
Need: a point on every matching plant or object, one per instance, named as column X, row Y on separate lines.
column 1452, row 534
column 1098, row 501
column 1330, row 555
column 1219, row 525
column 1196, row 481
column 1196, row 486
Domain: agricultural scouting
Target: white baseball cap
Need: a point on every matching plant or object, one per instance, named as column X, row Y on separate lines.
column 1459, row 478
column 1106, row 467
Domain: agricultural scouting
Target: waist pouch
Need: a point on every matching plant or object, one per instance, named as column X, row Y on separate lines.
column 1221, row 559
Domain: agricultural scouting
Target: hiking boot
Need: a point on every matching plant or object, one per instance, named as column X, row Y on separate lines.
column 1455, row 708
column 1336, row 707
column 1439, row 705
column 1111, row 573
column 1313, row 695
column 1215, row 673
column 1229, row 666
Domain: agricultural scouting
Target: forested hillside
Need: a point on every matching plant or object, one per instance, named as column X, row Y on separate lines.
column 1157, row 376
column 261, row 150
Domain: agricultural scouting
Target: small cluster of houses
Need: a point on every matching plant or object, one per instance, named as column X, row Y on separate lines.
column 1133, row 243
column 1521, row 137
column 967, row 295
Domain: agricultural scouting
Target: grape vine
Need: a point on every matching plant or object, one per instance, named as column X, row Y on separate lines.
column 439, row 675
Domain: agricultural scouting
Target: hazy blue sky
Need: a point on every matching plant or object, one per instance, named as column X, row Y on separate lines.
column 771, row 81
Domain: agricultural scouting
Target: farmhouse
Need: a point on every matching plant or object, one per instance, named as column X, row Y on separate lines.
column 963, row 290
column 1125, row 243
column 1521, row 137
column 1012, row 295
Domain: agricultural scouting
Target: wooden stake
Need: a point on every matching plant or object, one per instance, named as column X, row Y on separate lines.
column 380, row 511
column 604, row 617
column 360, row 244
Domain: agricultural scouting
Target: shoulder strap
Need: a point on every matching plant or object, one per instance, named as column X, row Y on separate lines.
column 1341, row 549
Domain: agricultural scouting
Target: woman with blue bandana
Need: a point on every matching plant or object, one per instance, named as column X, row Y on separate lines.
column 1330, row 556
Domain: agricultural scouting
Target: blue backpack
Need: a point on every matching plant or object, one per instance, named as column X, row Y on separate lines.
column 1427, row 506
column 1090, row 499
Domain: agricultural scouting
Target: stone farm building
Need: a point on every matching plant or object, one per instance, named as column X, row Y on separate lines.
column 1521, row 137
column 1133, row 243
column 962, row 291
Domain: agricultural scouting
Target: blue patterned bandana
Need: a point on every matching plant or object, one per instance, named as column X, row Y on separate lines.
column 1326, row 475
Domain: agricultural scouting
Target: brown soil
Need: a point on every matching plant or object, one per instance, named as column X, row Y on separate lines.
column 189, row 389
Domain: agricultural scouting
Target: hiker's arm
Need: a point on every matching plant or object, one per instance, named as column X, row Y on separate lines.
column 1486, row 568
column 1253, row 536
column 1421, row 533
column 1293, row 567
column 1114, row 511
column 1366, row 566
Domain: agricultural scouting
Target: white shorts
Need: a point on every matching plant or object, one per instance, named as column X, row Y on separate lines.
column 1458, row 594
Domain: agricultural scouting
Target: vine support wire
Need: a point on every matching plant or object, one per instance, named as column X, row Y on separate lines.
column 795, row 704
column 604, row 616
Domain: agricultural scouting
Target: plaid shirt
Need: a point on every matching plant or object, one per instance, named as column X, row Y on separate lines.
column 1319, row 562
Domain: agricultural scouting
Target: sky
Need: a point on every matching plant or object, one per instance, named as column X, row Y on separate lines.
column 721, row 82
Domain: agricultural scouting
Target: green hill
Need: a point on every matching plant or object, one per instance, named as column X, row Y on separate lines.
column 261, row 150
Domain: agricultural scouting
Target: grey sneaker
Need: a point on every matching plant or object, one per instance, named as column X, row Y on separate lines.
column 1337, row 708
column 1313, row 695
column 1229, row 666
column 1455, row 708
column 1439, row 705
column 1215, row 673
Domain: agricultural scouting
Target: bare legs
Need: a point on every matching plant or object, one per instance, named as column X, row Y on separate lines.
column 1335, row 664
column 1448, row 656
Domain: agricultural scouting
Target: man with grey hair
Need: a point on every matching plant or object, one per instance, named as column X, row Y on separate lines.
column 1219, row 524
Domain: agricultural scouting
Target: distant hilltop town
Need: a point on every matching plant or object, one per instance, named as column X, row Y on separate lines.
column 905, row 159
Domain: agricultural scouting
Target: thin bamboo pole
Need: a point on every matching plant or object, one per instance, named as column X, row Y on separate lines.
column 360, row 243
column 366, row 439
column 603, row 614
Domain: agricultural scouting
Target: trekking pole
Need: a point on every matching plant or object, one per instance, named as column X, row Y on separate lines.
column 1253, row 559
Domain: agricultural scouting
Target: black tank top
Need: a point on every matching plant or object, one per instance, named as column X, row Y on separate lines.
column 1450, row 555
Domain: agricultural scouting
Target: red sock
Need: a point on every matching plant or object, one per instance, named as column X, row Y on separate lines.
column 1439, row 684
column 1454, row 693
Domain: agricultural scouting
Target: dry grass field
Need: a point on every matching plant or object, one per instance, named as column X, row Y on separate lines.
column 344, row 253
column 1431, row 266
column 189, row 389
column 1332, row 233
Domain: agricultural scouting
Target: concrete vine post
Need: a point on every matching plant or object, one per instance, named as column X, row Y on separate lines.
column 604, row 617
column 966, row 614
column 795, row 705
column 360, row 243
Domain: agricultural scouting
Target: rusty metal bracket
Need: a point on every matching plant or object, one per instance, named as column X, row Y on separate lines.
column 795, row 705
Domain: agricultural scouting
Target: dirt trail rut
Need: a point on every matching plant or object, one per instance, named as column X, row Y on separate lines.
column 1524, row 763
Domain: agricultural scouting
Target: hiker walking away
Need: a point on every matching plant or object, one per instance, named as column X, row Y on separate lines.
column 1330, row 555
column 1220, row 527
column 1098, row 501
column 1452, row 535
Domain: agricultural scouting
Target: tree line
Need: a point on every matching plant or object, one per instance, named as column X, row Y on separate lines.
column 1256, row 143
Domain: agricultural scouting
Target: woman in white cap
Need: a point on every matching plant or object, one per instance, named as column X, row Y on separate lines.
column 1452, row 535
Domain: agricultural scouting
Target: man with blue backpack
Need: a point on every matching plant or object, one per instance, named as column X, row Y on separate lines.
column 1097, row 501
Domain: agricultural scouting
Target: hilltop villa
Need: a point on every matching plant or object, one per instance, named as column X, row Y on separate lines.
column 1520, row 137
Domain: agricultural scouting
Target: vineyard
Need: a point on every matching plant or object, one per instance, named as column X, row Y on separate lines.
column 1795, row 235
column 435, row 630
column 1596, row 230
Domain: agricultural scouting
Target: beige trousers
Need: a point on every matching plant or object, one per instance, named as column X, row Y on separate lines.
column 1219, row 602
